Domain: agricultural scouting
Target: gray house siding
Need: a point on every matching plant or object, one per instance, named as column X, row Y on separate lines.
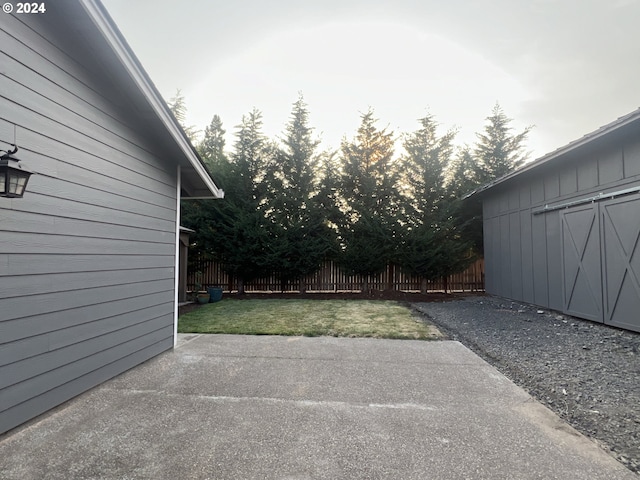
column 87, row 257
column 573, row 259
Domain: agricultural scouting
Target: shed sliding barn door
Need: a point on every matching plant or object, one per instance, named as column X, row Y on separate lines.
column 601, row 261
column 620, row 220
column 581, row 270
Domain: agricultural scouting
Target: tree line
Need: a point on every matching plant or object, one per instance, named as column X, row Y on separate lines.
column 289, row 206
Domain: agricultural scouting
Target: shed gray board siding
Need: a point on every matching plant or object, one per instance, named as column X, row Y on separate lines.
column 87, row 257
column 582, row 260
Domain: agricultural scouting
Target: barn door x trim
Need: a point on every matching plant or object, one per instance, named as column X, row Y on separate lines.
column 620, row 226
column 601, row 261
column 581, row 268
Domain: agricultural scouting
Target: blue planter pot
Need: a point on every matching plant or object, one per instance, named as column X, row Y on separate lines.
column 215, row 294
column 203, row 298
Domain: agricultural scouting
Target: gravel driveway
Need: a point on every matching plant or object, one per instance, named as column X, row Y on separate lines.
column 588, row 373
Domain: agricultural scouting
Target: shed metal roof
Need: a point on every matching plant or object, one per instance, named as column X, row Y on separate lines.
column 561, row 153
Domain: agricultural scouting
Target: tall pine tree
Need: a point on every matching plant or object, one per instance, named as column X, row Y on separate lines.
column 178, row 107
column 200, row 215
column 211, row 148
column 431, row 245
column 462, row 175
column 248, row 254
column 369, row 200
column 498, row 151
column 236, row 231
column 301, row 237
column 423, row 170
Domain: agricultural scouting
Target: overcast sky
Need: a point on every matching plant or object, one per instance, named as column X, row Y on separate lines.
column 565, row 66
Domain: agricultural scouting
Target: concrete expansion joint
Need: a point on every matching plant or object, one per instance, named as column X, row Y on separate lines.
column 340, row 360
column 300, row 402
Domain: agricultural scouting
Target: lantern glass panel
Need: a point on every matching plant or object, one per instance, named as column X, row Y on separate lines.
column 3, row 179
column 17, row 182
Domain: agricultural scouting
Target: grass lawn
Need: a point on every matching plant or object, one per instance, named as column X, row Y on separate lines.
column 311, row 318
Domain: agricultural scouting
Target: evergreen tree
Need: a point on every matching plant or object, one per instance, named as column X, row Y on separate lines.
column 236, row 231
column 423, row 170
column 368, row 199
column 431, row 245
column 301, row 237
column 462, row 174
column 178, row 107
column 211, row 148
column 366, row 247
column 200, row 215
column 328, row 196
column 288, row 207
column 464, row 179
column 498, row 151
column 296, row 176
column 369, row 177
column 248, row 254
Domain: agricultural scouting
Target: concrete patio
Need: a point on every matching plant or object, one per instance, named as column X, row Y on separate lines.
column 242, row 407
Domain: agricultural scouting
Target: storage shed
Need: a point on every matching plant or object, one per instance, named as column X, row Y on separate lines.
column 89, row 255
column 562, row 232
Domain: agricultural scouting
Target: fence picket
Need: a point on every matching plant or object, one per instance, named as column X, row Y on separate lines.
column 330, row 278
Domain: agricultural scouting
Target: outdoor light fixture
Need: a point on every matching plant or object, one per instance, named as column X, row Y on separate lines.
column 13, row 175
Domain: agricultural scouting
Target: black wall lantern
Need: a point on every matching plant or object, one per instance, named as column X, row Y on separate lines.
column 13, row 175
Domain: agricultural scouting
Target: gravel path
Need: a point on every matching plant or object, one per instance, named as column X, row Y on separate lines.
column 587, row 373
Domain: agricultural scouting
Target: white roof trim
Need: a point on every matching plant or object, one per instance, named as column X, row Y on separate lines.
column 130, row 63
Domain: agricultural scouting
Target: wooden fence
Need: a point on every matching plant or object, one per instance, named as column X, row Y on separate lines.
column 330, row 278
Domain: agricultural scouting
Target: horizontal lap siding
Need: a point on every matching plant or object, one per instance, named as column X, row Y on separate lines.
column 137, row 351
column 23, row 264
column 87, row 257
column 44, row 323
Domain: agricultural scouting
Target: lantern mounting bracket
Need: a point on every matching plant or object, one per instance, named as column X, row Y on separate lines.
column 10, row 152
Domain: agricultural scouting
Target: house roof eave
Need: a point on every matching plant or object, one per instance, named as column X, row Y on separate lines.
column 105, row 24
